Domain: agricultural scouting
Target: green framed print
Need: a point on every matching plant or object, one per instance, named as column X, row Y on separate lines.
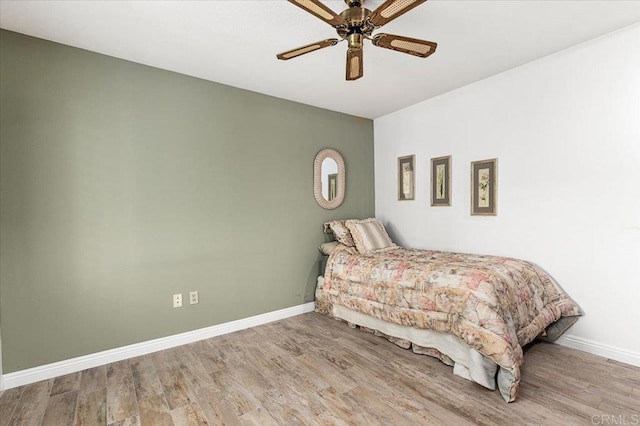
column 406, row 178
column 484, row 187
column 441, row 181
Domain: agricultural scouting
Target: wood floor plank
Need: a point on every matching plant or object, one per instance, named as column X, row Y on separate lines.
column 382, row 412
column 11, row 395
column 219, row 353
column 69, row 382
column 61, row 409
column 229, row 352
column 283, row 412
column 564, row 408
column 352, row 350
column 121, row 393
column 260, row 357
column 582, row 394
column 251, row 379
column 297, row 394
column 8, row 403
column 91, row 408
column 32, row 404
column 296, row 372
column 216, row 408
column 350, row 413
column 154, row 411
column 339, row 358
column 623, row 405
column 145, row 378
column 165, row 359
column 239, row 397
column 328, row 372
column 258, row 417
column 129, row 421
column 291, row 346
column 381, row 386
column 174, row 385
column 195, row 374
column 188, row 415
column 210, row 360
column 93, row 379
column 6, row 412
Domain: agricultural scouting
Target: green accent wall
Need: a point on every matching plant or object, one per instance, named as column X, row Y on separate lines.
column 122, row 184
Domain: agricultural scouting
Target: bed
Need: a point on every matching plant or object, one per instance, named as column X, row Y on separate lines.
column 473, row 312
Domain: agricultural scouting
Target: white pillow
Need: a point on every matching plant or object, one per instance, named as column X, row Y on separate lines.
column 328, row 248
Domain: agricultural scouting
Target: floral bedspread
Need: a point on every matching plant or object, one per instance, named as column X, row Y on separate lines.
column 495, row 304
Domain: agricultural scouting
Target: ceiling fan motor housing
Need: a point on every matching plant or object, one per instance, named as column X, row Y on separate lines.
column 357, row 24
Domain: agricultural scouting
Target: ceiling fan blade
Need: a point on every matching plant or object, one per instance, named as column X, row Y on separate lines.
column 319, row 10
column 306, row 49
column 391, row 9
column 412, row 46
column 354, row 64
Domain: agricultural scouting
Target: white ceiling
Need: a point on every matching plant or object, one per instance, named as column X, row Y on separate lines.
column 235, row 42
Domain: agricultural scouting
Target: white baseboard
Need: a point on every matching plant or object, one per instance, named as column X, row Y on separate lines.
column 60, row 368
column 595, row 348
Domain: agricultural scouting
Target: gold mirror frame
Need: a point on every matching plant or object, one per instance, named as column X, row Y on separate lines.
column 317, row 178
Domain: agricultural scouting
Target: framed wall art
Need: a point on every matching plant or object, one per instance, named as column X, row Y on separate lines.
column 441, row 181
column 484, row 187
column 406, row 177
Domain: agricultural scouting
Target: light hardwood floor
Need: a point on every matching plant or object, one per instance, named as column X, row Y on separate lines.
column 311, row 369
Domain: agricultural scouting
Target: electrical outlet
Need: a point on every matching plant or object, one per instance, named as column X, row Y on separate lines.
column 193, row 297
column 177, row 300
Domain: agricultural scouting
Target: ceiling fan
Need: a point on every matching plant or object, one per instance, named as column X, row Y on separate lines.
column 358, row 23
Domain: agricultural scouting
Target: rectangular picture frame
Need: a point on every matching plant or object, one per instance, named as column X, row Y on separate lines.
column 484, row 187
column 441, row 181
column 406, row 178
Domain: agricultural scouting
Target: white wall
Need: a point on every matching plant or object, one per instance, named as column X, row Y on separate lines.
column 566, row 131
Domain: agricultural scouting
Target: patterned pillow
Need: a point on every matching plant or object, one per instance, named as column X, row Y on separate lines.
column 369, row 235
column 341, row 232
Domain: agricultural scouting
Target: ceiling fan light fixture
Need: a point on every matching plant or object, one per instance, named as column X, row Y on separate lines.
column 355, row 41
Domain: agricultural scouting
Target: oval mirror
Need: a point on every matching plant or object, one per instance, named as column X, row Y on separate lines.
column 329, row 179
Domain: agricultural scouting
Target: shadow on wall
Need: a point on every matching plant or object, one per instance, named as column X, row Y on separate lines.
column 312, row 280
column 393, row 233
column 316, row 269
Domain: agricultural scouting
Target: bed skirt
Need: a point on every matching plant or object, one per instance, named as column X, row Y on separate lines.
column 466, row 361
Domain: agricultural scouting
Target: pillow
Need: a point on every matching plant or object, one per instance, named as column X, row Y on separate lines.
column 328, row 248
column 341, row 232
column 369, row 235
